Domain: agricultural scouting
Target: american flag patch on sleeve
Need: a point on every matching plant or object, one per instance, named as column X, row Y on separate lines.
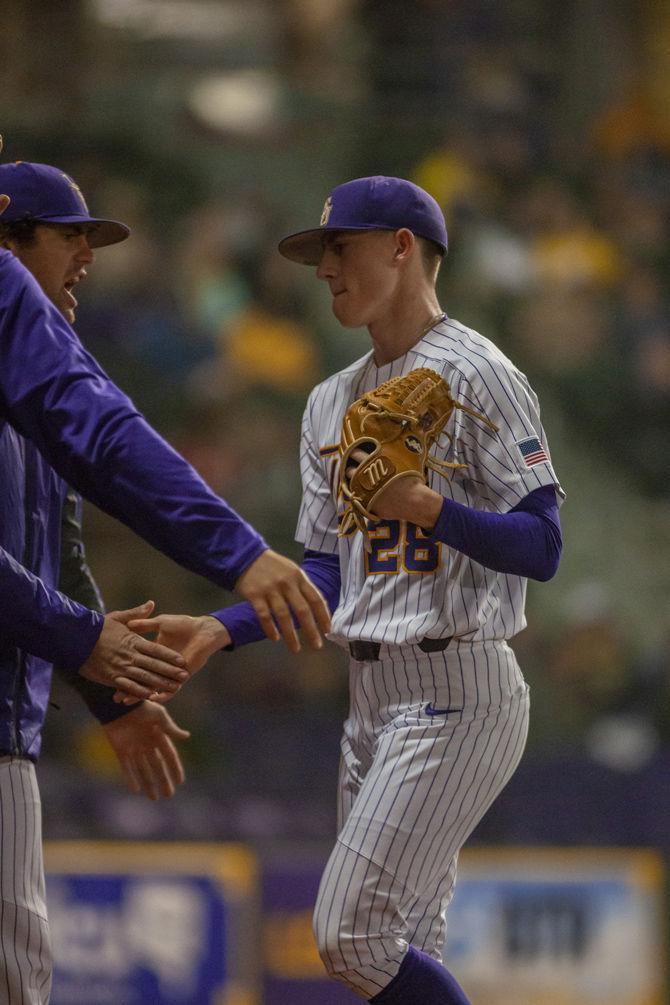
column 532, row 451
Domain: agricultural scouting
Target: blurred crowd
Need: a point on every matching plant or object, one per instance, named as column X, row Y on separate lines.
column 559, row 252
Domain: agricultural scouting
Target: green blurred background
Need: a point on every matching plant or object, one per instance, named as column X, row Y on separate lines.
column 214, row 127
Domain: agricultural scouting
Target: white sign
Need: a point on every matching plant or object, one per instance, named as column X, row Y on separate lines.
column 558, row 927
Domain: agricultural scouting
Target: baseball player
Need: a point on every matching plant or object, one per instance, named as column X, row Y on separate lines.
column 439, row 707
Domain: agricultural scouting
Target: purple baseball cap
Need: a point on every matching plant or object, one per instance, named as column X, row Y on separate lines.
column 376, row 203
column 45, row 194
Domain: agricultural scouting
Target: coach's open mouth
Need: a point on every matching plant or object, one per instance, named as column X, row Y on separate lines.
column 70, row 299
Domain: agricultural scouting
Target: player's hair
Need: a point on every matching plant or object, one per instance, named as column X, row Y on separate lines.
column 21, row 231
column 431, row 255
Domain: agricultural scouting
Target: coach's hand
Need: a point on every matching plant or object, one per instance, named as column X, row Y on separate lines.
column 195, row 638
column 143, row 741
column 276, row 586
column 126, row 661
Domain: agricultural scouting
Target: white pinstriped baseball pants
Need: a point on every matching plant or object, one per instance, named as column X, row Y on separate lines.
column 25, row 946
column 412, row 788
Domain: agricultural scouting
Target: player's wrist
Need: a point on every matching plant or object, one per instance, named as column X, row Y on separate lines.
column 427, row 506
column 212, row 635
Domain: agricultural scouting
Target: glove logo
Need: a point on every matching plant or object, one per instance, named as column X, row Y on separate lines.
column 413, row 444
column 376, row 472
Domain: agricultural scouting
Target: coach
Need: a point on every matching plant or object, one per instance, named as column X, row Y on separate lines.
column 63, row 421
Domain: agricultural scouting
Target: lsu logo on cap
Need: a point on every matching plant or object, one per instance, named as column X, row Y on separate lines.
column 327, row 210
column 75, row 188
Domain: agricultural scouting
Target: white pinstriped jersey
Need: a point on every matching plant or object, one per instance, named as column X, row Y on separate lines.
column 408, row 588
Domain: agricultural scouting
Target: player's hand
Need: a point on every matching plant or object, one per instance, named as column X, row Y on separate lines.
column 143, row 741
column 410, row 499
column 406, row 498
column 195, row 638
column 276, row 586
column 126, row 661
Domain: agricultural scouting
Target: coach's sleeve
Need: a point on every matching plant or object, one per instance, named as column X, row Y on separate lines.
column 55, row 393
column 43, row 621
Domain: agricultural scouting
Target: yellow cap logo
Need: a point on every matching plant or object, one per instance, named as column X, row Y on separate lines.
column 327, row 209
column 75, row 188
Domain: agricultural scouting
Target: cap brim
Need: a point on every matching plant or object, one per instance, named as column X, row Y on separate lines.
column 108, row 232
column 306, row 247
column 102, row 232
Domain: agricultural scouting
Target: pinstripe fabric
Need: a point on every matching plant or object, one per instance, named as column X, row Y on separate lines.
column 25, row 947
column 462, row 597
column 412, row 788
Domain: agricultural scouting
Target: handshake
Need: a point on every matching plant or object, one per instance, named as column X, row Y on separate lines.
column 139, row 668
column 153, row 670
column 147, row 673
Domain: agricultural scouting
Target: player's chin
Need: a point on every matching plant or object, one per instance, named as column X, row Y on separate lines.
column 346, row 314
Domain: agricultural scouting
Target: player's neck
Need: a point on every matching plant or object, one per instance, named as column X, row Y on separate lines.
column 405, row 325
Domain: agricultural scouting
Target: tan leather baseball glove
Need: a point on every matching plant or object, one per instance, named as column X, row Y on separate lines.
column 396, row 424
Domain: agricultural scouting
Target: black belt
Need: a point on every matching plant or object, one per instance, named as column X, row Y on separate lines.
column 366, row 652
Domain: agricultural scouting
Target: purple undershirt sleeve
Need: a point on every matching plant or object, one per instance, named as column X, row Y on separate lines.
column 324, row 571
column 240, row 619
column 526, row 541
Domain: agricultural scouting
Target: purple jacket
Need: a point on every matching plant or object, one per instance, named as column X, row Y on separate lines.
column 62, row 420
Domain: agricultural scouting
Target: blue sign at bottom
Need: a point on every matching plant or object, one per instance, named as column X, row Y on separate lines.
column 156, row 929
column 134, row 940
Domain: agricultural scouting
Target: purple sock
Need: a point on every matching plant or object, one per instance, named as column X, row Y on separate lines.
column 421, row 980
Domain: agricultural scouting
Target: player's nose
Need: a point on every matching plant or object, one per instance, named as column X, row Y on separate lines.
column 326, row 267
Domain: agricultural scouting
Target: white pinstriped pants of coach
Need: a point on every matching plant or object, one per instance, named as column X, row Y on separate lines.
column 25, row 946
column 412, row 788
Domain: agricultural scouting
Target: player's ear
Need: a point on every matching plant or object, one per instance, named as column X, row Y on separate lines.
column 404, row 243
